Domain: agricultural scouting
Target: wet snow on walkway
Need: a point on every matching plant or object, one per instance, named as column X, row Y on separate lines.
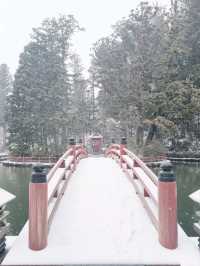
column 101, row 220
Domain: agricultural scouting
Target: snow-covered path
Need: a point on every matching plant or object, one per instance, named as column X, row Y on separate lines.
column 99, row 217
column 101, row 220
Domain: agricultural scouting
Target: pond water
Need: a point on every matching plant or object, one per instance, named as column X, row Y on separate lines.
column 188, row 181
column 16, row 180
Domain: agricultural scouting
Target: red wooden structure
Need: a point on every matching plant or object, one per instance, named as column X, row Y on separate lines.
column 158, row 195
column 96, row 143
column 45, row 193
column 162, row 192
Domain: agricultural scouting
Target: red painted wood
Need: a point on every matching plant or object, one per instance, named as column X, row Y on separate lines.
column 62, row 164
column 74, row 155
column 57, row 164
column 38, row 224
column 146, row 194
column 167, row 197
column 145, row 204
column 134, row 165
column 122, row 152
column 61, row 193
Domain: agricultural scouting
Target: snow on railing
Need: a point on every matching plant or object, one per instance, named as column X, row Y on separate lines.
column 46, row 191
column 158, row 195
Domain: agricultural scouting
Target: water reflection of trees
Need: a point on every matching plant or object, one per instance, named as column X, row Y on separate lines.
column 187, row 182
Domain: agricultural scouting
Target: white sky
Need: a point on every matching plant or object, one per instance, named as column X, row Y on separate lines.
column 18, row 17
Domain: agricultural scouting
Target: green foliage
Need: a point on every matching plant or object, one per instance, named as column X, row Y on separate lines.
column 147, row 71
column 78, row 103
column 40, row 103
column 5, row 89
column 155, row 148
column 19, row 149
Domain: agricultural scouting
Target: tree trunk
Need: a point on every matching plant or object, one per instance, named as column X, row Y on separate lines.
column 153, row 131
column 64, row 137
column 4, row 137
column 139, row 136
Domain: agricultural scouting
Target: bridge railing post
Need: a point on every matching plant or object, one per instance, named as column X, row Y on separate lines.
column 110, row 148
column 167, row 201
column 121, row 150
column 80, row 142
column 72, row 144
column 135, row 164
column 38, row 205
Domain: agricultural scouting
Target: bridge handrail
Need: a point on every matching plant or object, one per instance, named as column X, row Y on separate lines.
column 45, row 193
column 115, row 146
column 144, row 167
column 67, row 165
column 58, row 163
column 148, row 179
column 158, row 196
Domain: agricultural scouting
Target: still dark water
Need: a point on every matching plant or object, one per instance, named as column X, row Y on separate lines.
column 16, row 180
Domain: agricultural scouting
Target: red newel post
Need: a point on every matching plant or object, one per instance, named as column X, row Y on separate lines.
column 122, row 147
column 167, row 197
column 38, row 205
column 72, row 143
column 110, row 148
column 80, row 142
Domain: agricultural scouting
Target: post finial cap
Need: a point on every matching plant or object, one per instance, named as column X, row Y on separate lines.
column 123, row 141
column 39, row 174
column 72, row 141
column 166, row 172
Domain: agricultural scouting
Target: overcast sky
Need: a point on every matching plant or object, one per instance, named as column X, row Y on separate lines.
column 18, row 17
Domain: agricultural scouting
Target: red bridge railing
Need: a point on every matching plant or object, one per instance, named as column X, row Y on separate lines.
column 46, row 191
column 158, row 195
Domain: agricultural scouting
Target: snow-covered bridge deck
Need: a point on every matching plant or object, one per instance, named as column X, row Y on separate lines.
column 100, row 220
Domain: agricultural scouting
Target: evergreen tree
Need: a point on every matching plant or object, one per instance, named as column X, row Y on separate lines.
column 5, row 89
column 40, row 96
column 148, row 70
column 78, row 107
column 125, row 65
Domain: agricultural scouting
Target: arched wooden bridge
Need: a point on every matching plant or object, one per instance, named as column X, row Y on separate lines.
column 102, row 210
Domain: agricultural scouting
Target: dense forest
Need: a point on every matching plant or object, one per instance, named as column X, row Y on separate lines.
column 144, row 83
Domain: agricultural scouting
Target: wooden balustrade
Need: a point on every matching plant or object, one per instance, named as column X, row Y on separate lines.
column 158, row 195
column 45, row 194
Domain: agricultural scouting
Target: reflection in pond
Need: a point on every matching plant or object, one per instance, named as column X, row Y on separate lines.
column 16, row 180
column 188, row 181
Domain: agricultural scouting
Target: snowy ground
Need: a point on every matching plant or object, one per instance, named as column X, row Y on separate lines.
column 5, row 197
column 195, row 196
column 101, row 220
